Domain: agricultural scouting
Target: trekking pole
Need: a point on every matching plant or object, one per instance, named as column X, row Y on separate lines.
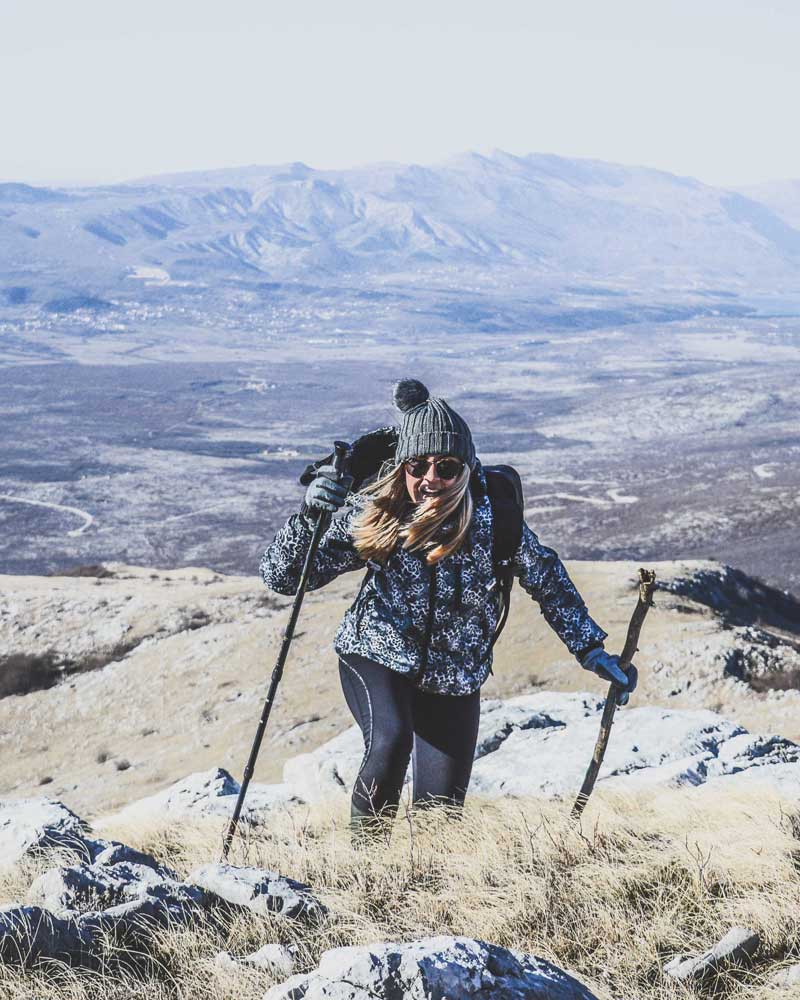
column 647, row 584
column 341, row 449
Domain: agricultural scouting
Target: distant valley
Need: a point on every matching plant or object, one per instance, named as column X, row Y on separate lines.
column 174, row 351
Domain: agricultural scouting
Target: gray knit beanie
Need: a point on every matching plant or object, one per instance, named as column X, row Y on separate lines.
column 429, row 426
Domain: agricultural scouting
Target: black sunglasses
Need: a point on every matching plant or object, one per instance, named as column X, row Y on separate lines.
column 446, row 468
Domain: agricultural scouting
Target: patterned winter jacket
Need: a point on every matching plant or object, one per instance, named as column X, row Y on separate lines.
column 433, row 623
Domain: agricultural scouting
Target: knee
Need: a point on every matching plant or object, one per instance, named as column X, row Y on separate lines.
column 392, row 746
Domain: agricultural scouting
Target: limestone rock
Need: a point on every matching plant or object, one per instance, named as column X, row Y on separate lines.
column 332, row 768
column 30, row 826
column 29, row 933
column 737, row 947
column 130, row 925
column 275, row 957
column 212, row 793
column 790, row 976
column 432, row 967
column 649, row 746
column 541, row 744
column 76, row 913
column 259, row 890
column 68, row 891
column 499, row 719
column 329, row 770
column 112, row 852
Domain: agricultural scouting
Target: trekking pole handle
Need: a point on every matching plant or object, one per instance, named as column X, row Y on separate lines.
column 341, row 453
column 341, row 449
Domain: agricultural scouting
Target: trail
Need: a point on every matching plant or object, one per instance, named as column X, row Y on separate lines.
column 88, row 520
column 614, row 493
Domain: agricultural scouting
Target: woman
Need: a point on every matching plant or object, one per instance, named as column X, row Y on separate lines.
column 416, row 644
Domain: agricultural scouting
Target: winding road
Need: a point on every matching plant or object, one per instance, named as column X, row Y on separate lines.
column 87, row 518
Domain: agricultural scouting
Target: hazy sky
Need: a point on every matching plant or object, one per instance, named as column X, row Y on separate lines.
column 104, row 90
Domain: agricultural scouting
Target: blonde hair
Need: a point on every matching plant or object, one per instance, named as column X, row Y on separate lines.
column 391, row 516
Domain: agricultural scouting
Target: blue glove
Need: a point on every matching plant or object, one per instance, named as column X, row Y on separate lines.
column 328, row 490
column 607, row 666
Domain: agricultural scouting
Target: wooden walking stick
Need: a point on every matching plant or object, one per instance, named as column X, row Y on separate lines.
column 647, row 584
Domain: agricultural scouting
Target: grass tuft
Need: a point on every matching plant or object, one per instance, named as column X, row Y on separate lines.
column 640, row 879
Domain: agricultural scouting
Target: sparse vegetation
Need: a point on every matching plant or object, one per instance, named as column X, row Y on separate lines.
column 21, row 673
column 789, row 681
column 611, row 901
column 93, row 570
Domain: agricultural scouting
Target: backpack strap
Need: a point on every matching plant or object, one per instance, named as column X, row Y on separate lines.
column 505, row 495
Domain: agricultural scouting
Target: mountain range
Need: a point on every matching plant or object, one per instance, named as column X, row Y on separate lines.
column 493, row 221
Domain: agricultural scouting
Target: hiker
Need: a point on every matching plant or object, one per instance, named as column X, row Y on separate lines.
column 416, row 644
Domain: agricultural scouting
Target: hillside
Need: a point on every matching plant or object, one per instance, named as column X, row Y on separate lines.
column 162, row 673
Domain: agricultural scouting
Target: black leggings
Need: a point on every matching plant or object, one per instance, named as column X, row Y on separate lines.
column 397, row 718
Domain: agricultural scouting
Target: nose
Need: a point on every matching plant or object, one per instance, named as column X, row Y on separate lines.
column 431, row 475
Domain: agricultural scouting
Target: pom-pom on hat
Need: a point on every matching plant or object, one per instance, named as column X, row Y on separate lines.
column 429, row 426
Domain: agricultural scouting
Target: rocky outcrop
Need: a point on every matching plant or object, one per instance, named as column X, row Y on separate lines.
column 738, row 598
column 211, row 793
column 736, row 949
column 142, row 725
column 31, row 826
column 29, row 934
column 114, row 895
column 258, row 890
column 81, row 889
column 541, row 744
column 278, row 958
column 432, row 967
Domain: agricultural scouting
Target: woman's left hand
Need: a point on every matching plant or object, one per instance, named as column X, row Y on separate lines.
column 608, row 667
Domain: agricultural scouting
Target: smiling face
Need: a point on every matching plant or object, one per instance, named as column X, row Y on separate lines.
column 432, row 482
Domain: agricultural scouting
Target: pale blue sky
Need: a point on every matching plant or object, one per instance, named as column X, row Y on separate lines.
column 104, row 90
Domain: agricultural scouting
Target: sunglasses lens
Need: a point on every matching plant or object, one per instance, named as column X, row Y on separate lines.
column 448, row 468
column 417, row 468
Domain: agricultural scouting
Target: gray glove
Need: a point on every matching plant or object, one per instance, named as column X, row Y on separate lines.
column 607, row 666
column 328, row 491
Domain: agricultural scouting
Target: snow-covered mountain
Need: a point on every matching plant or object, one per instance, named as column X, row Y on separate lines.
column 781, row 197
column 532, row 221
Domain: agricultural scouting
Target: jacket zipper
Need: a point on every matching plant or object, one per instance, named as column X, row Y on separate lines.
column 429, row 623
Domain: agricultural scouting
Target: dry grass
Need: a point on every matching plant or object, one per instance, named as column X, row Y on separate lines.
column 642, row 879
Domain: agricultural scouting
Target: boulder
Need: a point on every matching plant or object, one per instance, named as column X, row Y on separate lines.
column 331, row 769
column 278, row 958
column 112, row 852
column 78, row 889
column 32, row 826
column 648, row 747
column 432, row 967
column 76, row 913
column 130, row 925
column 737, row 947
column 789, row 976
column 259, row 890
column 211, row 793
column 29, row 933
column 541, row 745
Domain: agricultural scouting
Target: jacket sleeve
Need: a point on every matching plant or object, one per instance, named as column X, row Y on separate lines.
column 282, row 563
column 545, row 578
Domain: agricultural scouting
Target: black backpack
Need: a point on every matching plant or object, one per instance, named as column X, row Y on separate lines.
column 366, row 462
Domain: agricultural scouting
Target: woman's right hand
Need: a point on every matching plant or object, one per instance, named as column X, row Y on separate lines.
column 328, row 491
